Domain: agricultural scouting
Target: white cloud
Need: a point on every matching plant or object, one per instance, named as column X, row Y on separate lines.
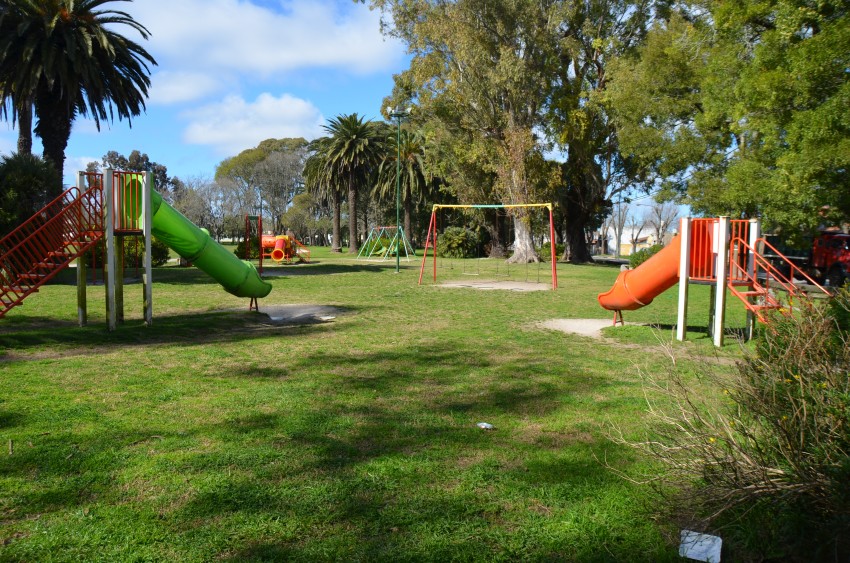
column 233, row 125
column 74, row 164
column 243, row 37
column 174, row 87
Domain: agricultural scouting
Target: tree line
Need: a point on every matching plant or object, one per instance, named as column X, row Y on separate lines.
column 733, row 108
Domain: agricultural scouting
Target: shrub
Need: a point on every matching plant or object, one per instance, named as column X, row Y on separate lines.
column 133, row 252
column 545, row 251
column 27, row 183
column 255, row 249
column 644, row 254
column 457, row 242
column 768, row 464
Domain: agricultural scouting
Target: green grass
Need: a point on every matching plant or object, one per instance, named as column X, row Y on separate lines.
column 216, row 435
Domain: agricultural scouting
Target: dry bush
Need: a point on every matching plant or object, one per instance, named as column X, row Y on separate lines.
column 765, row 461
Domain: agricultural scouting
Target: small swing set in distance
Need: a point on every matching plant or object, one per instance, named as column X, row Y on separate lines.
column 431, row 240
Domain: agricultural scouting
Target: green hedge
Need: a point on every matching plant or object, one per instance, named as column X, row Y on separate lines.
column 641, row 256
column 545, row 251
column 457, row 242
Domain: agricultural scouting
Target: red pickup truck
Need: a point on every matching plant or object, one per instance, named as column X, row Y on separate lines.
column 830, row 258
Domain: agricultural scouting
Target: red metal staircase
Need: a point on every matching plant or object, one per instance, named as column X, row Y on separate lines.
column 763, row 281
column 49, row 241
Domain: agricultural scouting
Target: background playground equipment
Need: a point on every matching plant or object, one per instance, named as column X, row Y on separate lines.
column 283, row 249
column 497, row 268
column 280, row 248
column 383, row 242
column 106, row 206
column 719, row 252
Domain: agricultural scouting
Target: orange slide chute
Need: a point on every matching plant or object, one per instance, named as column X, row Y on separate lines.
column 637, row 288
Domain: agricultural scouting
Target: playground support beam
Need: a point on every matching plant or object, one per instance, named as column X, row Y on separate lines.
column 721, row 242
column 147, row 280
column 109, row 206
column 82, row 304
column 684, row 278
column 754, row 233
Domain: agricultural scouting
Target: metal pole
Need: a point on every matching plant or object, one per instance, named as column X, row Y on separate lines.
column 397, row 190
column 147, row 276
column 684, row 278
column 398, row 114
column 109, row 205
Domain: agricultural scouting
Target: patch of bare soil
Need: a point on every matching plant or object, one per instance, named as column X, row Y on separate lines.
column 503, row 285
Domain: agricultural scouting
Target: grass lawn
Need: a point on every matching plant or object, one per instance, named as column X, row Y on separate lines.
column 218, row 435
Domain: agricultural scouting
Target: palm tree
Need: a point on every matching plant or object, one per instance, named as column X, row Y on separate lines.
column 412, row 182
column 318, row 180
column 352, row 151
column 64, row 56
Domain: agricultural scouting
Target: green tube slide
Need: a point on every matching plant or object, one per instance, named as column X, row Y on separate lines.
column 236, row 276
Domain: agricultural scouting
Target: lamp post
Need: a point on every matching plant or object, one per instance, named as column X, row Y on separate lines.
column 398, row 114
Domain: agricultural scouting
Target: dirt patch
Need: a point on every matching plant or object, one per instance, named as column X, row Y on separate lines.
column 591, row 328
column 300, row 314
column 496, row 284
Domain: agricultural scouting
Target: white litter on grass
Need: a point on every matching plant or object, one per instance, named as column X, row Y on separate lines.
column 700, row 547
column 326, row 318
column 484, row 426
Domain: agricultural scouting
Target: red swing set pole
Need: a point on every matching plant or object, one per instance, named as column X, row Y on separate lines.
column 432, row 227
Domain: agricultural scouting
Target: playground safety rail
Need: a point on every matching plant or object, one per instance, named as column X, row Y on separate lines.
column 47, row 242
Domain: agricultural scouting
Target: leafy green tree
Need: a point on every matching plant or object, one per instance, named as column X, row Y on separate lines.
column 269, row 174
column 139, row 162
column 741, row 108
column 307, row 217
column 479, row 69
column 589, row 35
column 66, row 57
column 27, row 183
column 508, row 80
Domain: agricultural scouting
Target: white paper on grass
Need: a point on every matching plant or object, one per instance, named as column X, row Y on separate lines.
column 700, row 547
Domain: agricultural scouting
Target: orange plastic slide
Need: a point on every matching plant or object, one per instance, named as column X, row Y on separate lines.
column 637, row 288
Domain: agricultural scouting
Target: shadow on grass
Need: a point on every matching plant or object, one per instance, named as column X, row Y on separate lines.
column 385, row 466
column 393, row 489
column 192, row 329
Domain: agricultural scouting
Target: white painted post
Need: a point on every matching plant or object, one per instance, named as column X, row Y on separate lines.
column 684, row 277
column 147, row 280
column 754, row 233
column 109, row 206
column 721, row 272
column 82, row 305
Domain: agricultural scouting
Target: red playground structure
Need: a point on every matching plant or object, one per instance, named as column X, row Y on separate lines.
column 284, row 249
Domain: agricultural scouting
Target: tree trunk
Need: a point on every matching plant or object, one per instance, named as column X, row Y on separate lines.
column 579, row 253
column 25, row 129
column 494, row 228
column 337, row 205
column 54, row 129
column 566, row 254
column 524, row 251
column 352, row 216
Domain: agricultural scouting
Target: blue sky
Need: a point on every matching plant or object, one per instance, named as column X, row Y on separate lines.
column 232, row 73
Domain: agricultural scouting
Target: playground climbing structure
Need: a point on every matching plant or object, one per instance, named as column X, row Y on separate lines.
column 49, row 241
column 102, row 206
column 723, row 253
